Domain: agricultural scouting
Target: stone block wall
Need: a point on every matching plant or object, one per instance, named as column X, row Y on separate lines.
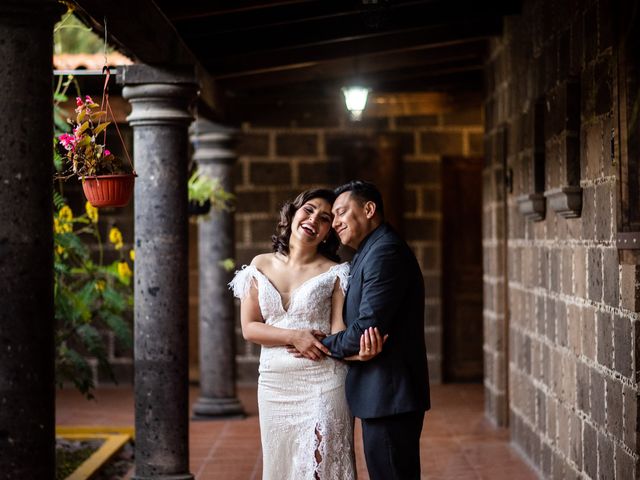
column 278, row 157
column 279, row 160
column 566, row 380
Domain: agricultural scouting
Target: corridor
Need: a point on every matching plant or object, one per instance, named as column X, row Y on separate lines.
column 457, row 442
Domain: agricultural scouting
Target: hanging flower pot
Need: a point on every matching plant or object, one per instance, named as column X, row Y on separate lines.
column 196, row 208
column 108, row 190
column 107, row 180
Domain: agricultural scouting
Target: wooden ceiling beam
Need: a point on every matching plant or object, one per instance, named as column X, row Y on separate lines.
column 141, row 31
column 242, row 34
column 241, row 13
column 371, row 66
column 438, row 36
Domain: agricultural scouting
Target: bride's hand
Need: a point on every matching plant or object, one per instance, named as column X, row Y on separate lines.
column 370, row 345
column 307, row 344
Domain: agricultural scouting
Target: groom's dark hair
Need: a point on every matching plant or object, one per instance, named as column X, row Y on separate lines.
column 363, row 192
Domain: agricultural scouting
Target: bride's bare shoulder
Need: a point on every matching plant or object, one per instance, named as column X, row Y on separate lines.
column 262, row 261
column 327, row 264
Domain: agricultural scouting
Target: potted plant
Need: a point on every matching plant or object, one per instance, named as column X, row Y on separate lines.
column 106, row 180
column 206, row 192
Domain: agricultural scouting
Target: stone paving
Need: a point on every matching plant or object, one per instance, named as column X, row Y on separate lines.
column 457, row 442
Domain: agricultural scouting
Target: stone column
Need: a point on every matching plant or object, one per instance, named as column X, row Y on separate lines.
column 160, row 119
column 27, row 413
column 215, row 157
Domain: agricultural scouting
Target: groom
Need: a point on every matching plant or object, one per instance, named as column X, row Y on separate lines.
column 389, row 393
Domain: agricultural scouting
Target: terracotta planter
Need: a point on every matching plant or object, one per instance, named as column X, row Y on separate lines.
column 108, row 190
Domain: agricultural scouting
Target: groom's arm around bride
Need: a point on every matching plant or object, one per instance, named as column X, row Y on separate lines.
column 390, row 393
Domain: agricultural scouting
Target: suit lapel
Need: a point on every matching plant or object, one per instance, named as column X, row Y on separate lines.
column 362, row 252
column 367, row 244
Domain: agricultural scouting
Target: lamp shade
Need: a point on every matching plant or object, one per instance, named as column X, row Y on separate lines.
column 355, row 98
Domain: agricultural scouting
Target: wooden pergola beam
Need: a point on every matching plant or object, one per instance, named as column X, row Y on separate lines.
column 141, row 31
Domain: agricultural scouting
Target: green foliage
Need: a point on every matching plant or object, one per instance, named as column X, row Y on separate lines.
column 85, row 154
column 70, row 35
column 201, row 188
column 91, row 299
column 228, row 264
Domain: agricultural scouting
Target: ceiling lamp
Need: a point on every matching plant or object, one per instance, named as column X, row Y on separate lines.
column 356, row 98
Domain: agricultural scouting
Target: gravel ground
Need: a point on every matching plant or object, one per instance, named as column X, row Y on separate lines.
column 71, row 453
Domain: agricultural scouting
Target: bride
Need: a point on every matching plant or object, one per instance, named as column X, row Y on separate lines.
column 294, row 297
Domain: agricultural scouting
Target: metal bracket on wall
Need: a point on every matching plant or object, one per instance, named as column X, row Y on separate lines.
column 628, row 241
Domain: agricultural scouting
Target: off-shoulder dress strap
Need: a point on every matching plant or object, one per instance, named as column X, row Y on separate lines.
column 342, row 273
column 242, row 281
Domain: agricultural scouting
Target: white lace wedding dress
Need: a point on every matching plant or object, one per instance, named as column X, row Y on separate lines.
column 305, row 424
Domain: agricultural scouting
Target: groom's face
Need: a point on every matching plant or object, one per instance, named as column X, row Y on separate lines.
column 351, row 219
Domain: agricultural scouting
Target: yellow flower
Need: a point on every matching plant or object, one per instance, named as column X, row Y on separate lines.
column 59, row 250
column 92, row 212
column 65, row 214
column 115, row 237
column 123, row 270
column 132, row 255
column 100, row 285
column 63, row 223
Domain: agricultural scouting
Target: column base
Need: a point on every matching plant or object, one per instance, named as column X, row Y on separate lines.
column 160, row 476
column 214, row 408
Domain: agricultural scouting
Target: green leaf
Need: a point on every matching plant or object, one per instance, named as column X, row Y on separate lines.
column 120, row 328
column 95, row 116
column 228, row 264
column 92, row 340
column 113, row 299
column 70, row 241
column 100, row 128
column 89, row 294
column 58, row 200
column 71, row 366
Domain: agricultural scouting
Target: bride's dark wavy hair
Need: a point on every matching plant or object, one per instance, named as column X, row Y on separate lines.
column 283, row 230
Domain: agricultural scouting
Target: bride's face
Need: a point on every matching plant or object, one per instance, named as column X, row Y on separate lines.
column 312, row 221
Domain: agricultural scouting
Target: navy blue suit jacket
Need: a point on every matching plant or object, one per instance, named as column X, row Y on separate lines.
column 386, row 290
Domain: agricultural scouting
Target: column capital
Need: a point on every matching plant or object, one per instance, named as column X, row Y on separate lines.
column 213, row 142
column 143, row 74
column 158, row 96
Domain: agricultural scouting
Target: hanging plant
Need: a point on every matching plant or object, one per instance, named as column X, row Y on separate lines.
column 107, row 181
column 206, row 192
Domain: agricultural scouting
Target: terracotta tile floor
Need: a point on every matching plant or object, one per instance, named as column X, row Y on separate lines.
column 457, row 442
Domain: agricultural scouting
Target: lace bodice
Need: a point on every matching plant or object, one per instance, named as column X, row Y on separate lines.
column 309, row 304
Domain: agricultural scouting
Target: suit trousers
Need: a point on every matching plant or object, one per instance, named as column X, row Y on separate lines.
column 392, row 446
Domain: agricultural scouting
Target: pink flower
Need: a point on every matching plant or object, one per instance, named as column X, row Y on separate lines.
column 88, row 99
column 106, row 152
column 67, row 141
column 78, row 102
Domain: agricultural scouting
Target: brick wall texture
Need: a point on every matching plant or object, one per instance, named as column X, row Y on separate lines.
column 566, row 378
column 277, row 161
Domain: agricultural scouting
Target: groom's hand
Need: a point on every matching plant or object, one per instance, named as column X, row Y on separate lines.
column 306, row 343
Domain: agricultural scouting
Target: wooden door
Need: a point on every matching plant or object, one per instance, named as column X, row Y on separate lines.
column 462, row 269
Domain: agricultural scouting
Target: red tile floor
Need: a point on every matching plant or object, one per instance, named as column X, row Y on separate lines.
column 457, row 442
